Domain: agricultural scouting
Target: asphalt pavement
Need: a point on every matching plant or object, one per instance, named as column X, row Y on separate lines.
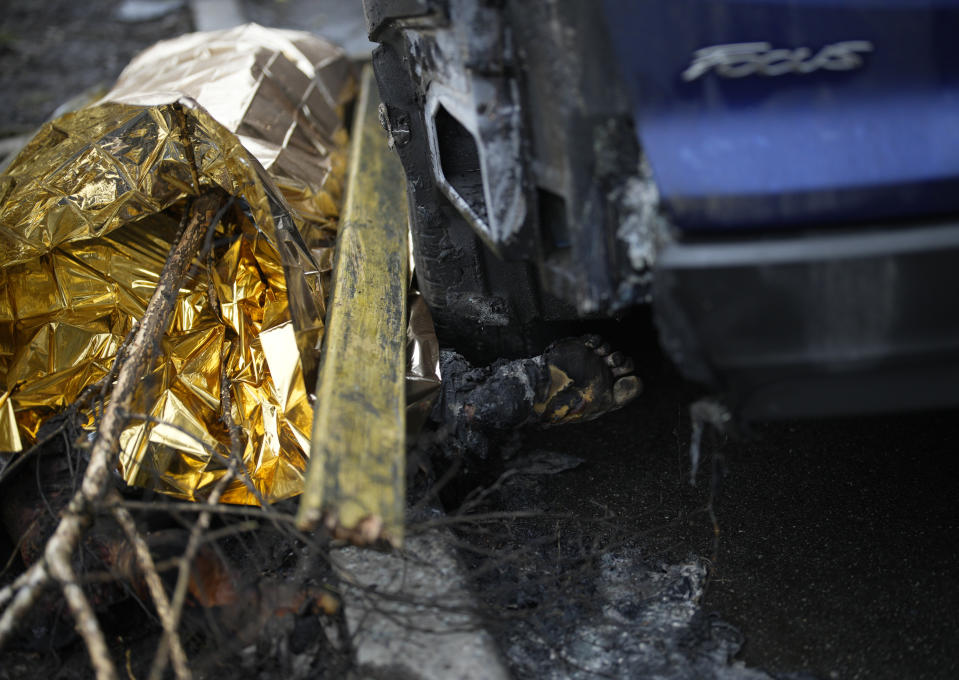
column 836, row 551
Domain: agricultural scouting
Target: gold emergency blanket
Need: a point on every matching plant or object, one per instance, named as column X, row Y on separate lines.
column 89, row 211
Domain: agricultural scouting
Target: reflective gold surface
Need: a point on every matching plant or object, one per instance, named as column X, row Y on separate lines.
column 423, row 374
column 89, row 211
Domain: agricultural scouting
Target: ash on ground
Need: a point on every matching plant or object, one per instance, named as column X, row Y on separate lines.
column 574, row 597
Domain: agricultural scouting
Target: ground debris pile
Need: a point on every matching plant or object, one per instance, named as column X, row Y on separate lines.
column 161, row 306
column 248, row 591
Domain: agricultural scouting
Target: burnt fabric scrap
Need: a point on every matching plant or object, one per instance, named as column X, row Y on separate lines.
column 89, row 211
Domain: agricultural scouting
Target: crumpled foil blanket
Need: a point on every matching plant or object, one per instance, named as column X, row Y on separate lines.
column 90, row 209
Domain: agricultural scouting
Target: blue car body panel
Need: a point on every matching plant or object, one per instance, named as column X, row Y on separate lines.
column 878, row 141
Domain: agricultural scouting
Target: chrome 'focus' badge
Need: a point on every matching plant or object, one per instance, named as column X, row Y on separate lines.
column 738, row 60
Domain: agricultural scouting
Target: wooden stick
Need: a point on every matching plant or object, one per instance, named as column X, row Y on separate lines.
column 356, row 477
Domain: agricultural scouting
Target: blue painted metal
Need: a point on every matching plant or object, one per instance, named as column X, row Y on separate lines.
column 877, row 142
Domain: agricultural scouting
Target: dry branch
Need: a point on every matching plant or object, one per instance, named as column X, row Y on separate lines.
column 183, row 576
column 24, row 592
column 203, row 521
column 152, row 578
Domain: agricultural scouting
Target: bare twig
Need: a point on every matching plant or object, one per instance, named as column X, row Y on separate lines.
column 14, row 554
column 183, row 573
column 183, row 507
column 155, row 586
column 58, row 563
column 201, row 525
column 24, row 591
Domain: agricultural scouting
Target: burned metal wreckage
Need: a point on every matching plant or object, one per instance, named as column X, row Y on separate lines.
column 522, row 167
column 571, row 160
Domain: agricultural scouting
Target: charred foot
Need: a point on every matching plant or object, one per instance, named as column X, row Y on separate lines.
column 586, row 380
